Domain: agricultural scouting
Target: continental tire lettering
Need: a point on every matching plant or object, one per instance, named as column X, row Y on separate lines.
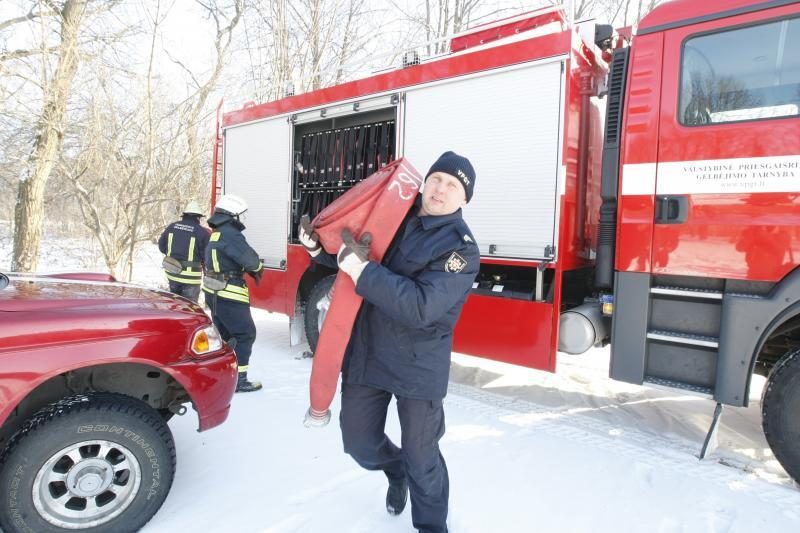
column 143, row 444
column 13, row 502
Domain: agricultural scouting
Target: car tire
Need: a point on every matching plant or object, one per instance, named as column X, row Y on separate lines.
column 316, row 309
column 98, row 462
column 780, row 403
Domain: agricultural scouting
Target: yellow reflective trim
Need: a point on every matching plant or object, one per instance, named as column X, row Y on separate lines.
column 169, row 243
column 236, row 288
column 206, row 289
column 191, row 249
column 215, row 236
column 233, row 296
column 185, row 281
column 191, row 273
column 243, row 368
column 214, row 260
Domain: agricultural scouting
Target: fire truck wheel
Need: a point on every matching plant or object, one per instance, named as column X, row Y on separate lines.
column 780, row 403
column 99, row 461
column 316, row 309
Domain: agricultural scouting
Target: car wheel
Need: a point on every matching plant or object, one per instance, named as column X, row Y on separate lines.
column 780, row 404
column 319, row 300
column 100, row 461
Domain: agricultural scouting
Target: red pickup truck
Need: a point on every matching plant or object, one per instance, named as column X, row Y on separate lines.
column 90, row 372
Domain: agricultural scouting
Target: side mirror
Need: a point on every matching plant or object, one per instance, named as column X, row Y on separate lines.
column 3, row 281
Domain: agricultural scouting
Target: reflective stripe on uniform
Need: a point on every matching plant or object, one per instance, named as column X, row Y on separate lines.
column 214, row 260
column 236, row 288
column 169, row 244
column 191, row 249
column 185, row 281
column 224, row 293
column 234, row 292
column 243, row 368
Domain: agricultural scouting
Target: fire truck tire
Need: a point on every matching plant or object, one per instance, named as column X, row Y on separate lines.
column 316, row 309
column 780, row 403
column 96, row 462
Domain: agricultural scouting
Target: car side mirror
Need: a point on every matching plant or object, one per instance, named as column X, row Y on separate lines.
column 3, row 281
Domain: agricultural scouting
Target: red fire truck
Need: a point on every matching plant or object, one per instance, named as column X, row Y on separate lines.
column 642, row 191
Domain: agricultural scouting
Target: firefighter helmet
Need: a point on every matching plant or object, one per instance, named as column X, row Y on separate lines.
column 193, row 208
column 231, row 204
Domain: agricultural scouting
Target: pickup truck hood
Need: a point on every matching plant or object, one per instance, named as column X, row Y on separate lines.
column 31, row 292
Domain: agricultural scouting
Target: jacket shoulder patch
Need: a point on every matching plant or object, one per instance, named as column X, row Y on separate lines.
column 455, row 263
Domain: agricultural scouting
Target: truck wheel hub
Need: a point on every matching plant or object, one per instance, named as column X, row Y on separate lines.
column 90, row 477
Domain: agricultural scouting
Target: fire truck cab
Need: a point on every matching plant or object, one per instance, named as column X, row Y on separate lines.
column 643, row 192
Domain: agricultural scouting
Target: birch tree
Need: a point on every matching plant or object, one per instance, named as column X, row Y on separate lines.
column 48, row 133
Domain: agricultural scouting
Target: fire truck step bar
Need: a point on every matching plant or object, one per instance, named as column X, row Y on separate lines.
column 683, row 338
column 670, row 385
column 684, row 292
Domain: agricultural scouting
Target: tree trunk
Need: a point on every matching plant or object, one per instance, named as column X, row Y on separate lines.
column 29, row 211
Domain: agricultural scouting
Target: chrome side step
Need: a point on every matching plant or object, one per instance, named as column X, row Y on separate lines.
column 684, row 292
column 683, row 338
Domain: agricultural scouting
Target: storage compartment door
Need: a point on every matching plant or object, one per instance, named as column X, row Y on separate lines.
column 257, row 161
column 508, row 124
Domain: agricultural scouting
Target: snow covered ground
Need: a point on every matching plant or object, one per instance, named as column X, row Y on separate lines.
column 526, row 450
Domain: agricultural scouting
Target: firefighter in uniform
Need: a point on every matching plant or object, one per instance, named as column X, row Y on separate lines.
column 228, row 258
column 402, row 339
column 184, row 243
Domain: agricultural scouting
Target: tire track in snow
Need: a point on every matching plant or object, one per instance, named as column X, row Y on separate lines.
column 654, row 451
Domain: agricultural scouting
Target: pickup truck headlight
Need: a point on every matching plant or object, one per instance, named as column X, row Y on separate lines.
column 206, row 340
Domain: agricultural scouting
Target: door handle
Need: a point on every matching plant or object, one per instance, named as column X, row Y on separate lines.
column 672, row 209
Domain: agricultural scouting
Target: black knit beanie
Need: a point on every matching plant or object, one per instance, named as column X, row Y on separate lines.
column 457, row 166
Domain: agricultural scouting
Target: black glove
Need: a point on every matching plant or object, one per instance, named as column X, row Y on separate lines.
column 353, row 256
column 308, row 237
column 256, row 276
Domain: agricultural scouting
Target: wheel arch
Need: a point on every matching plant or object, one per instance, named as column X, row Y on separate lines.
column 748, row 325
column 149, row 383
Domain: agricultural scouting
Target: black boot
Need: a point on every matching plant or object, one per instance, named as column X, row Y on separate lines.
column 396, row 497
column 244, row 385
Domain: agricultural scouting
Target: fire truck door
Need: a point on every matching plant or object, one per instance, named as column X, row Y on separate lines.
column 728, row 172
column 257, row 162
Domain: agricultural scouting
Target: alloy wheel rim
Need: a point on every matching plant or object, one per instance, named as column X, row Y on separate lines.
column 86, row 484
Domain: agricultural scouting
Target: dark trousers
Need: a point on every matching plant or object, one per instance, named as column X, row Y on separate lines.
column 234, row 321
column 191, row 292
column 363, row 421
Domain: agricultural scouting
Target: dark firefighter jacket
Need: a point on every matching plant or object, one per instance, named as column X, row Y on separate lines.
column 403, row 335
column 228, row 257
column 185, row 241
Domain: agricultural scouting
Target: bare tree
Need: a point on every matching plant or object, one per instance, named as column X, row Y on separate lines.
column 48, row 134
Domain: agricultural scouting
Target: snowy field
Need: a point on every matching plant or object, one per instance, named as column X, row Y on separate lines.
column 526, row 450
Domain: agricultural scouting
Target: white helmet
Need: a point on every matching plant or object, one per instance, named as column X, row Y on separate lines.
column 193, row 208
column 231, row 205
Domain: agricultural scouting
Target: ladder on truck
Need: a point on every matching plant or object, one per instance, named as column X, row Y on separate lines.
column 217, row 175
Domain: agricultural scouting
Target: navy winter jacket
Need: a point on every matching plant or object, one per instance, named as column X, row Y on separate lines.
column 403, row 335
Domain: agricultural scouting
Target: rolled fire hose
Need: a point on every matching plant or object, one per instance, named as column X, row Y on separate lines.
column 376, row 205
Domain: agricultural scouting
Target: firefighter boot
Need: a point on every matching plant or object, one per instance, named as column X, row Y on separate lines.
column 244, row 385
column 396, row 497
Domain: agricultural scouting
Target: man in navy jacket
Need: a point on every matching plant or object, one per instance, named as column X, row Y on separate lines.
column 402, row 339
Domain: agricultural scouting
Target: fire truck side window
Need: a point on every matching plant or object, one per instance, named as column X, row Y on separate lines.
column 749, row 73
